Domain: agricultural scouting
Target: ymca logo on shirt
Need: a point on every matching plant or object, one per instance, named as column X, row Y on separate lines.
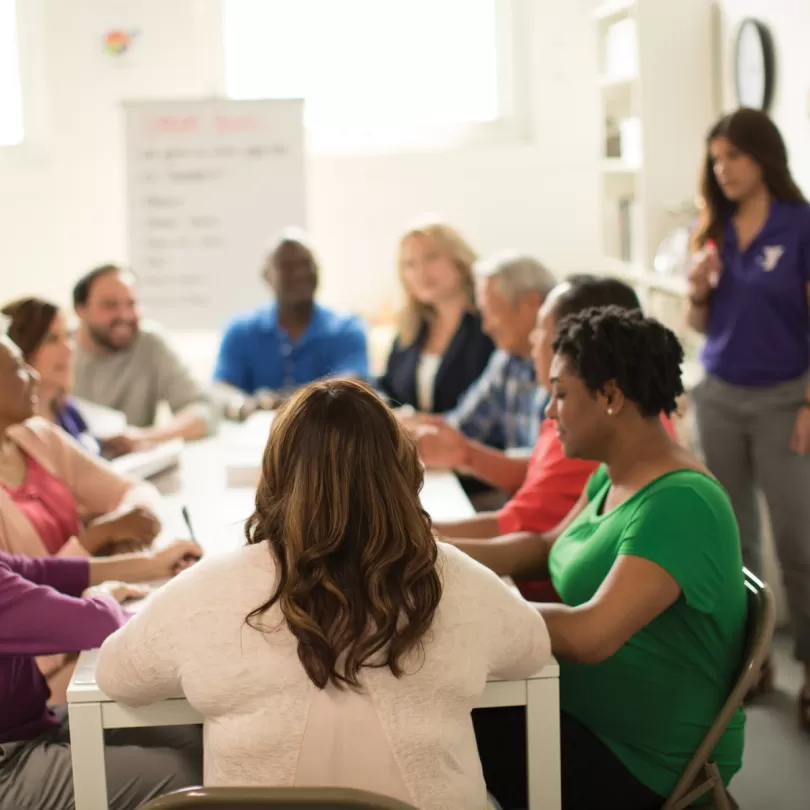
column 770, row 257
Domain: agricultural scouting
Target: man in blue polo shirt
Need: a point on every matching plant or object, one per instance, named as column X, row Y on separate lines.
column 266, row 354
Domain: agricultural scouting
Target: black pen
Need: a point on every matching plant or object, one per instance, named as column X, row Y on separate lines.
column 187, row 519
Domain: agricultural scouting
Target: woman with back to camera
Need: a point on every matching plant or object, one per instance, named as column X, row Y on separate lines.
column 440, row 348
column 749, row 293
column 649, row 632
column 342, row 645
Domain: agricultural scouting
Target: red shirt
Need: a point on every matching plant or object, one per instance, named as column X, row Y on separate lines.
column 48, row 504
column 552, row 486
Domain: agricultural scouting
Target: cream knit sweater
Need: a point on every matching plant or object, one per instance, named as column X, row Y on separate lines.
column 267, row 724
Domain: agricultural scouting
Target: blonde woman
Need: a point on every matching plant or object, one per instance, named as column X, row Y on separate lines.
column 440, row 348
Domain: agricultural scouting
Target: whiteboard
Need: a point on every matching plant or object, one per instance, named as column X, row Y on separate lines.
column 209, row 184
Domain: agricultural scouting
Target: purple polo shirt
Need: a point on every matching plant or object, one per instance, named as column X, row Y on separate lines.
column 759, row 326
column 41, row 613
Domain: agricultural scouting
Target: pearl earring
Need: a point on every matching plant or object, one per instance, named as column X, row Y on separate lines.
column 610, row 411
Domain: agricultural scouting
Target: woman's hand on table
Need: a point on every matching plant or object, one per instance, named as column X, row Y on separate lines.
column 145, row 567
column 132, row 440
column 120, row 591
column 176, row 557
column 412, row 420
column 442, row 446
column 136, row 528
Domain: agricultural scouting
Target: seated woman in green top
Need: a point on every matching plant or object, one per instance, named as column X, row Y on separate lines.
column 649, row 634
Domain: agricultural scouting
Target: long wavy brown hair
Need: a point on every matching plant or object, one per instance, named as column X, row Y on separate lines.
column 338, row 506
column 753, row 133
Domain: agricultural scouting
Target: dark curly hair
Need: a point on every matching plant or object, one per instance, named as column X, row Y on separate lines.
column 640, row 354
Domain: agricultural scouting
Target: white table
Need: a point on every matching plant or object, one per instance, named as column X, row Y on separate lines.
column 218, row 514
column 91, row 711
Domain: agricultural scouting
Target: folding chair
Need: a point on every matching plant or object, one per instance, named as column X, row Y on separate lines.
column 274, row 798
column 701, row 775
column 279, row 799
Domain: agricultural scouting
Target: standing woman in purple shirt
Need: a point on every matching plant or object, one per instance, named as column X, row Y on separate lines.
column 749, row 293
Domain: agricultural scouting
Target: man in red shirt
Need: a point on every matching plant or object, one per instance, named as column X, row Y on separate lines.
column 552, row 483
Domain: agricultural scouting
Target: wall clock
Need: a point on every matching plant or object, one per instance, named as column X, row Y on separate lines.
column 754, row 65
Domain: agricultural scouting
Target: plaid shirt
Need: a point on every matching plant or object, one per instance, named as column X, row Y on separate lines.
column 503, row 408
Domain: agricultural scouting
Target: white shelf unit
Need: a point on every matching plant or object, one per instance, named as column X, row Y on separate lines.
column 654, row 70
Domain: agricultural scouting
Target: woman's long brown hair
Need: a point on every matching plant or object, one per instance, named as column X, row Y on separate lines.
column 338, row 506
column 753, row 133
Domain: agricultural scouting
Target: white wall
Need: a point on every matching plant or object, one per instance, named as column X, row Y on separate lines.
column 61, row 199
column 61, row 207
column 789, row 22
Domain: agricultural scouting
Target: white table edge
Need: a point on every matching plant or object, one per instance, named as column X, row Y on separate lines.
column 88, row 692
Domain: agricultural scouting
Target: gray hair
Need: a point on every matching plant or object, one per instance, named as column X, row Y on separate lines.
column 518, row 273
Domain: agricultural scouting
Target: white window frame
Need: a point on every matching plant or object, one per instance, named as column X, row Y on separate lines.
column 30, row 22
column 514, row 121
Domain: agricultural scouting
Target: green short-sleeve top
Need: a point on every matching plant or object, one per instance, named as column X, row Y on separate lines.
column 653, row 701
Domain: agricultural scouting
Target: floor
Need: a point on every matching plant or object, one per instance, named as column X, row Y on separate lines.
column 776, row 766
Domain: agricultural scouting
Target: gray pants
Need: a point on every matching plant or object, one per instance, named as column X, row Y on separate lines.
column 142, row 763
column 745, row 434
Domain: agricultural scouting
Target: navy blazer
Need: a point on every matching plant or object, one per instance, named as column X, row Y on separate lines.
column 462, row 364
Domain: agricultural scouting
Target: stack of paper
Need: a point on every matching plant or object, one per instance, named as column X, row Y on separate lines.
column 245, row 450
column 102, row 422
column 146, row 463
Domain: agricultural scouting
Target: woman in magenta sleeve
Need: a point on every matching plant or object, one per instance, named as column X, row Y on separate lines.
column 48, row 605
column 57, row 498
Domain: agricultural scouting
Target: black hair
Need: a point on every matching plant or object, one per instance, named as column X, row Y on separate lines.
column 81, row 292
column 587, row 291
column 639, row 354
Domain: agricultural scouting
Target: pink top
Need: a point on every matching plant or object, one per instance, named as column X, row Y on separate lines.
column 94, row 486
column 48, row 505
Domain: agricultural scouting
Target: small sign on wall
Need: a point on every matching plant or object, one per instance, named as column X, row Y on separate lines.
column 117, row 42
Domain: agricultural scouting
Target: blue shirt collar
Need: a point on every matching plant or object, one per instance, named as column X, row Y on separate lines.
column 776, row 216
column 268, row 321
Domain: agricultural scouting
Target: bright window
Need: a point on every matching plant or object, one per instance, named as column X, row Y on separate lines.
column 368, row 65
column 11, row 115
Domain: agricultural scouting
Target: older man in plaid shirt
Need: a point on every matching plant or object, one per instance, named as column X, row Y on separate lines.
column 503, row 409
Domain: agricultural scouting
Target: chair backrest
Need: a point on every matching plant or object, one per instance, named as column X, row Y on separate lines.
column 758, row 635
column 274, row 798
